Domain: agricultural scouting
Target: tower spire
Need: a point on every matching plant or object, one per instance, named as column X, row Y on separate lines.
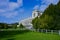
column 36, row 13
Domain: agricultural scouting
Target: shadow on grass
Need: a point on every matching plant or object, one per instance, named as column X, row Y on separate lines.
column 10, row 39
column 7, row 34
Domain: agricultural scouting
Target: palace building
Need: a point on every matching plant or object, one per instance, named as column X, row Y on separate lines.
column 28, row 21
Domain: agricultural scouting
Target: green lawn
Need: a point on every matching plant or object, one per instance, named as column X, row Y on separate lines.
column 27, row 35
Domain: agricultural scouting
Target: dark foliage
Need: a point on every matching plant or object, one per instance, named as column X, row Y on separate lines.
column 50, row 18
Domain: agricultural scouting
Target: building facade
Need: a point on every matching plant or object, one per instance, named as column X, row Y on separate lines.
column 28, row 22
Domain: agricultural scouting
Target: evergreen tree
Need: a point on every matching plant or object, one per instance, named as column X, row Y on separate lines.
column 50, row 18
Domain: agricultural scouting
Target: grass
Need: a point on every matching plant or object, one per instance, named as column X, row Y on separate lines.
column 27, row 35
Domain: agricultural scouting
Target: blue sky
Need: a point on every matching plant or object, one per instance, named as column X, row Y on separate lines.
column 16, row 10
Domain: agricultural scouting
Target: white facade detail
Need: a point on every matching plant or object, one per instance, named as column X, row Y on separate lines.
column 28, row 22
column 36, row 13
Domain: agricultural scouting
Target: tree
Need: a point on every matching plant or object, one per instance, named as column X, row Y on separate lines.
column 50, row 18
column 21, row 26
column 3, row 25
column 14, row 25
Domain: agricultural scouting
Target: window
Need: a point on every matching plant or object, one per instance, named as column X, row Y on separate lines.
column 34, row 14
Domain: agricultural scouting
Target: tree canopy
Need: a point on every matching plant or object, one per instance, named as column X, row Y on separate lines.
column 50, row 19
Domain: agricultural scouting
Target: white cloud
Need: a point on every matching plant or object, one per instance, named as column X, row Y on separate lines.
column 43, row 7
column 9, row 14
column 45, row 3
column 36, row 7
column 49, row 1
column 13, row 5
column 6, row 5
column 21, row 10
column 7, row 8
column 2, row 10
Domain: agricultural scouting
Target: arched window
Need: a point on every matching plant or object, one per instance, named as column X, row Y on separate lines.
column 34, row 14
